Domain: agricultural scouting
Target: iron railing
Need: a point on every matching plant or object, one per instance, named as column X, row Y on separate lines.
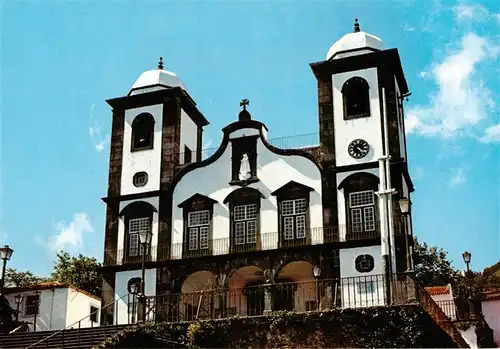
column 304, row 296
column 449, row 308
column 78, row 324
column 439, row 316
column 227, row 245
column 307, row 141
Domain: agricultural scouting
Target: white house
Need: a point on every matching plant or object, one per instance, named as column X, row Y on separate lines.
column 443, row 296
column 54, row 306
column 490, row 306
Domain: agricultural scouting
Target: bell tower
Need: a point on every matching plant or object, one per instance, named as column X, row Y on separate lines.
column 156, row 129
column 361, row 87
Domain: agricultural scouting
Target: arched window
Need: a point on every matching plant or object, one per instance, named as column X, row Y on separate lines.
column 138, row 218
column 361, row 205
column 244, row 208
column 143, row 132
column 356, row 95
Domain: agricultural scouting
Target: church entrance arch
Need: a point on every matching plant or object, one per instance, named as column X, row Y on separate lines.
column 198, row 299
column 295, row 287
column 245, row 295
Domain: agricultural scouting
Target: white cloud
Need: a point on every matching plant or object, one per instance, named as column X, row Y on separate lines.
column 470, row 12
column 418, row 173
column 458, row 177
column 461, row 102
column 70, row 236
column 99, row 141
column 491, row 134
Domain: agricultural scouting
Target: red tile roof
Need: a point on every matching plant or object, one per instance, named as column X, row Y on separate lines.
column 491, row 295
column 48, row 285
column 437, row 290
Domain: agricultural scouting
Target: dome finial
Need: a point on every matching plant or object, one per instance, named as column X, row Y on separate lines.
column 160, row 63
column 356, row 26
column 244, row 114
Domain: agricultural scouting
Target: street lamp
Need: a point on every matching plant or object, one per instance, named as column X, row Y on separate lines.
column 18, row 298
column 405, row 207
column 466, row 257
column 317, row 273
column 5, row 254
column 145, row 240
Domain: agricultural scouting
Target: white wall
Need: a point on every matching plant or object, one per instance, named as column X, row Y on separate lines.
column 79, row 307
column 351, row 278
column 189, row 136
column 58, row 308
column 273, row 171
column 368, row 128
column 470, row 337
column 155, row 202
column 144, row 160
column 121, row 291
column 342, row 214
column 491, row 312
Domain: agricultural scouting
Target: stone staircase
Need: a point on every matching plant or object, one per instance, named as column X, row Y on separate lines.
column 83, row 338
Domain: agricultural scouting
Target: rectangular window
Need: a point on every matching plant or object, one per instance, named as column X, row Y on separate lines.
column 294, row 218
column 245, row 224
column 198, row 230
column 32, row 303
column 135, row 226
column 94, row 313
column 362, row 210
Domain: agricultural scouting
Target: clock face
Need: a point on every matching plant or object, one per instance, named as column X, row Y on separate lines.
column 358, row 148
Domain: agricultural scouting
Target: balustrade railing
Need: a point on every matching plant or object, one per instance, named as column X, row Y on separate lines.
column 227, row 245
column 304, row 296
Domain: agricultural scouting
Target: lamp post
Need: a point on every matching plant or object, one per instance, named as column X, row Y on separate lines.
column 466, row 257
column 18, row 298
column 405, row 207
column 317, row 273
column 5, row 254
column 144, row 239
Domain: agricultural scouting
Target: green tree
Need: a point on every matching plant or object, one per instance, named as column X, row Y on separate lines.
column 14, row 278
column 432, row 267
column 80, row 271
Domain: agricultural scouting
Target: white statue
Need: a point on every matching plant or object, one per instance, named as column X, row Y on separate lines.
column 244, row 168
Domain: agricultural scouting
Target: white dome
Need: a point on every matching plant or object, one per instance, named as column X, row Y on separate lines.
column 153, row 77
column 357, row 40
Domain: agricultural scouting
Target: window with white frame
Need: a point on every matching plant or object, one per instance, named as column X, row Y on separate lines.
column 135, row 226
column 245, row 224
column 294, row 218
column 362, row 210
column 198, row 230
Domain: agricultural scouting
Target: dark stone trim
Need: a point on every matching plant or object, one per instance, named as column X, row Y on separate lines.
column 244, row 183
column 135, row 206
column 325, row 69
column 127, row 197
column 160, row 97
column 346, row 180
column 354, row 50
column 292, row 185
column 357, row 167
column 196, row 197
column 199, row 143
column 245, row 191
column 116, row 153
column 107, row 296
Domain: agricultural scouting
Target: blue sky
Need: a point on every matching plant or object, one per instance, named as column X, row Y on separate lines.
column 60, row 61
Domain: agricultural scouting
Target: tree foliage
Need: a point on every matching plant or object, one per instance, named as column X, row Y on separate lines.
column 14, row 278
column 80, row 271
column 432, row 267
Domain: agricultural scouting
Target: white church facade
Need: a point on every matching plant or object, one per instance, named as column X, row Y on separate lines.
column 255, row 227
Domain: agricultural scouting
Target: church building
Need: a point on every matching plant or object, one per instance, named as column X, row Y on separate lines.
column 254, row 226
